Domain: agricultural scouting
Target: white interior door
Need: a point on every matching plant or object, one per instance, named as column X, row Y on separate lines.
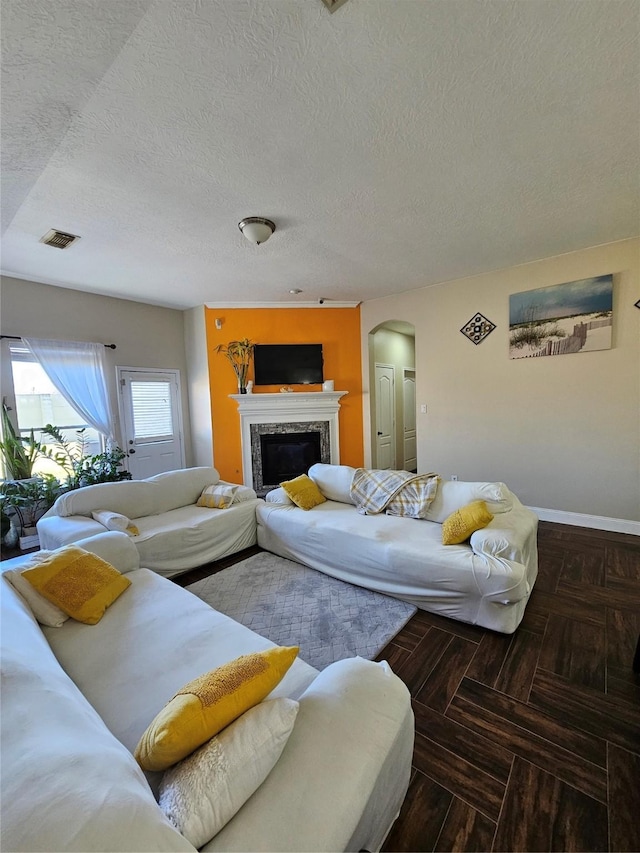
column 409, row 417
column 151, row 419
column 385, row 421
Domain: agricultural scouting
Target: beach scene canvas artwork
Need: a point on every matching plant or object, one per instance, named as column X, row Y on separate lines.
column 565, row 318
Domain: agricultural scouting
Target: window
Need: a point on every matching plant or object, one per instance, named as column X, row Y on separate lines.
column 151, row 404
column 39, row 403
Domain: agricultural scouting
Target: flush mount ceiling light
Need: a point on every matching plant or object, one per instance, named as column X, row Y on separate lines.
column 256, row 229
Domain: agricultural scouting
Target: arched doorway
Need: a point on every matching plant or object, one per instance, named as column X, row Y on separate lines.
column 392, row 378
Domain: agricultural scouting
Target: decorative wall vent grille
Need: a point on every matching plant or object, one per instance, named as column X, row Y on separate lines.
column 332, row 5
column 59, row 239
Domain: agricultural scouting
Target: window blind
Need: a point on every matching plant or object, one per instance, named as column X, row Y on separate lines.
column 151, row 404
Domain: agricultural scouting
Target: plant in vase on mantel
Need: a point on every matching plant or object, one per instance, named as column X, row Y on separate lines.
column 239, row 354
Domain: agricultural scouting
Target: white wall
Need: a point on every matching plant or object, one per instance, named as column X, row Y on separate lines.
column 195, row 337
column 145, row 335
column 563, row 431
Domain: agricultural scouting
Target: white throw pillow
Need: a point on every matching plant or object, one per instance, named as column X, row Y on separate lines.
column 45, row 612
column 202, row 792
column 111, row 520
column 115, row 522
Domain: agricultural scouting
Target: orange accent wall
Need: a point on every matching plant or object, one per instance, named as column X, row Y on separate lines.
column 337, row 329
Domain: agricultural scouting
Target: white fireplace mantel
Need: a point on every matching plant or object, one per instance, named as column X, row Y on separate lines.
column 282, row 408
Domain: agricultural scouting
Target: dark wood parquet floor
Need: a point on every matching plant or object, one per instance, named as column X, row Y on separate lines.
column 530, row 742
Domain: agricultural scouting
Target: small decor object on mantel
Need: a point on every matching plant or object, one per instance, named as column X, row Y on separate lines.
column 239, row 354
column 477, row 328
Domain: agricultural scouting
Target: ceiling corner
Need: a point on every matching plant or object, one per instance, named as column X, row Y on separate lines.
column 332, row 5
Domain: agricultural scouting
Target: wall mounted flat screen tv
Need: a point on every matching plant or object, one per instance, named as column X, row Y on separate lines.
column 288, row 364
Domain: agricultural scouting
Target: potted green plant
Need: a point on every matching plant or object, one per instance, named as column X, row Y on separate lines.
column 81, row 468
column 239, row 354
column 18, row 453
column 25, row 501
column 6, row 521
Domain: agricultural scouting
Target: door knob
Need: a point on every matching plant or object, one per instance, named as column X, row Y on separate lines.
column 131, row 452
column 380, row 433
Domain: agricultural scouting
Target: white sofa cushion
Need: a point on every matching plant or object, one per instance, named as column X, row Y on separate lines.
column 55, row 531
column 453, row 494
column 278, row 496
column 193, row 535
column 67, row 782
column 202, row 792
column 114, row 547
column 182, row 487
column 334, row 481
column 508, row 536
column 133, row 498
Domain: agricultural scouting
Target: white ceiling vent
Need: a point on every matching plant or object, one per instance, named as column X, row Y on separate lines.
column 59, row 239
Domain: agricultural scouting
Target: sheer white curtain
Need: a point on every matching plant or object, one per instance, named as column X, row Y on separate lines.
column 77, row 369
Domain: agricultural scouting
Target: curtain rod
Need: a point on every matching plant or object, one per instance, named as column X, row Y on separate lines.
column 18, row 338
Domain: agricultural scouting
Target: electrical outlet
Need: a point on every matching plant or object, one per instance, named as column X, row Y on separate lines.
column 454, row 476
column 423, row 408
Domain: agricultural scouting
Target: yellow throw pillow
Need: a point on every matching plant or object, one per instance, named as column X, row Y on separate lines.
column 303, row 492
column 81, row 584
column 464, row 521
column 204, row 706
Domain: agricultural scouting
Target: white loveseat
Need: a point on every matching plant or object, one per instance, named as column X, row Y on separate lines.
column 485, row 581
column 174, row 533
column 76, row 700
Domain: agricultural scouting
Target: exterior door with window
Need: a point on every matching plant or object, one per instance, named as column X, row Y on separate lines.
column 151, row 420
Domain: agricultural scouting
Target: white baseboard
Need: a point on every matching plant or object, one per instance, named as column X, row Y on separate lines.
column 579, row 519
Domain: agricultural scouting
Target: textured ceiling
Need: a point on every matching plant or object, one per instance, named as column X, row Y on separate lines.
column 395, row 143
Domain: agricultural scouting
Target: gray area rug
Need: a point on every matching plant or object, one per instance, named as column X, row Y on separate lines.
column 293, row 605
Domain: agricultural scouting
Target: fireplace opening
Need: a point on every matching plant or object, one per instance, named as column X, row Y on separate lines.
column 288, row 455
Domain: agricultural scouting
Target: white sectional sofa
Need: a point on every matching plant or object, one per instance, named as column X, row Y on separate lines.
column 174, row 533
column 77, row 698
column 485, row 581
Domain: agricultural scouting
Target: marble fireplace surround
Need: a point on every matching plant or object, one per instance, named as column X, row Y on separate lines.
column 297, row 411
